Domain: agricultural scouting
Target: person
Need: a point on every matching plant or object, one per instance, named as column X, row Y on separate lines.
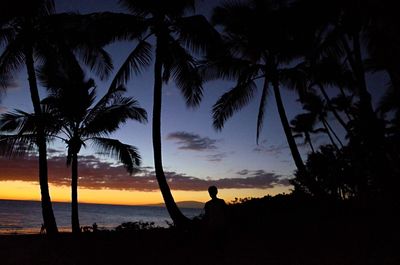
column 215, row 215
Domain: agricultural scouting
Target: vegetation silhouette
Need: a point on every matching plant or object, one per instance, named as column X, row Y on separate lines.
column 30, row 36
column 345, row 193
column 249, row 59
column 77, row 116
column 20, row 33
column 176, row 38
column 73, row 116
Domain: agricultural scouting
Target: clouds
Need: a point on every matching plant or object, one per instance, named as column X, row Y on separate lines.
column 193, row 142
column 96, row 174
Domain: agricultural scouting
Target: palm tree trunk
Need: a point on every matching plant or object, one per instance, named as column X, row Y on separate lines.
column 349, row 116
column 176, row 215
column 333, row 132
column 329, row 134
column 286, row 127
column 335, row 113
column 74, row 195
column 47, row 209
column 372, row 132
column 310, row 143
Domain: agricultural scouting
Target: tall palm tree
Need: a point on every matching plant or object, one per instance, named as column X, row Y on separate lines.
column 73, row 117
column 30, row 37
column 251, row 58
column 84, row 122
column 20, row 33
column 173, row 38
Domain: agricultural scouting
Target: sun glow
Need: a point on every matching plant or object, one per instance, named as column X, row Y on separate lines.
column 23, row 190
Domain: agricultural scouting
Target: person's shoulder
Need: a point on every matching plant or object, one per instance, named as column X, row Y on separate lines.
column 221, row 201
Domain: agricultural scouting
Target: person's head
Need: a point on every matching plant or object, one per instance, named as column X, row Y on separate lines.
column 213, row 191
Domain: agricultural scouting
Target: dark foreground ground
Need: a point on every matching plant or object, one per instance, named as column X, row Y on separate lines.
column 279, row 230
column 338, row 241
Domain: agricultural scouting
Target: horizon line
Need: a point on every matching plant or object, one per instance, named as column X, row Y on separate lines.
column 156, row 204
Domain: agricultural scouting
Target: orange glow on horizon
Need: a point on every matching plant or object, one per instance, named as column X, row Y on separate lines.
column 22, row 190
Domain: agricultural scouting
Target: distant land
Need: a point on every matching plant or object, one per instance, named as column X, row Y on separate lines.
column 182, row 204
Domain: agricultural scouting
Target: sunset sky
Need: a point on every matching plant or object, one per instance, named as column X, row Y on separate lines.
column 195, row 155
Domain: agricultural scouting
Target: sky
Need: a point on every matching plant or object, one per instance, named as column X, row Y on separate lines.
column 195, row 156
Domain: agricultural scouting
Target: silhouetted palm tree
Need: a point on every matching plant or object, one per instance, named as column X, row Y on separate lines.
column 252, row 57
column 303, row 126
column 317, row 106
column 21, row 33
column 72, row 116
column 31, row 35
column 175, row 38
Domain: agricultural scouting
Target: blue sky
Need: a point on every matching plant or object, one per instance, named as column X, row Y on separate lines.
column 190, row 144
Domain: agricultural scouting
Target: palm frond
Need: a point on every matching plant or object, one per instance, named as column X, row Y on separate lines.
column 18, row 121
column 231, row 102
column 295, row 78
column 224, row 67
column 112, row 93
column 11, row 60
column 183, row 68
column 6, row 35
column 128, row 155
column 97, row 59
column 60, row 70
column 198, row 35
column 173, row 8
column 113, row 116
column 136, row 62
column 17, row 145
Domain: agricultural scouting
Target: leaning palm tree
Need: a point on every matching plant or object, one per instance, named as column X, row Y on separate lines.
column 172, row 38
column 252, row 59
column 72, row 116
column 31, row 36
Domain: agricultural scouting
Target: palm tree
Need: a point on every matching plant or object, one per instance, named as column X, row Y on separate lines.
column 30, row 35
column 363, row 30
column 303, row 126
column 20, row 34
column 174, row 37
column 318, row 107
column 73, row 117
column 252, row 58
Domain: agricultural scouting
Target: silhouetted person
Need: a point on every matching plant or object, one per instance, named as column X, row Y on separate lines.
column 215, row 216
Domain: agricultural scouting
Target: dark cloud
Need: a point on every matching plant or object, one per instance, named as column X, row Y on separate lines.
column 243, row 172
column 97, row 174
column 191, row 141
column 216, row 157
column 275, row 150
column 54, row 152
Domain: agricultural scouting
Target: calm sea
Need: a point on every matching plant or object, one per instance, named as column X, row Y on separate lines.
column 26, row 217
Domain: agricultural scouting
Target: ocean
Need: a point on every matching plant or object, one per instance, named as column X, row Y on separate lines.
column 25, row 217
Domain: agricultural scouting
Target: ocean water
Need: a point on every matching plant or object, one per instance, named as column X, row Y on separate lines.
column 25, row 217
